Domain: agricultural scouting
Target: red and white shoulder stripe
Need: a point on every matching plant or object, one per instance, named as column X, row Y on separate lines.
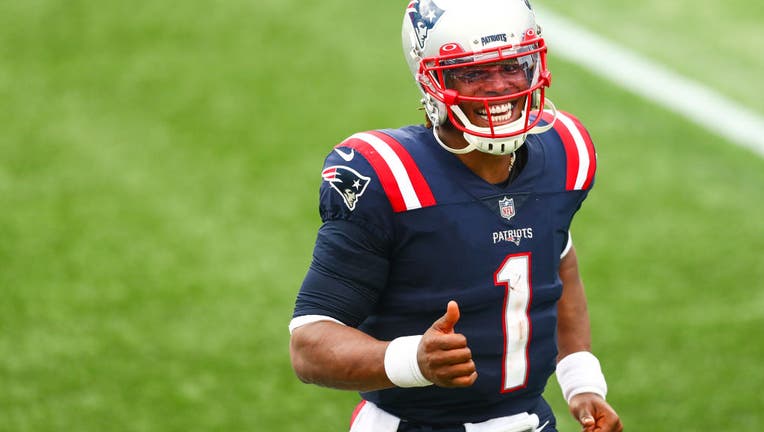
column 579, row 150
column 401, row 179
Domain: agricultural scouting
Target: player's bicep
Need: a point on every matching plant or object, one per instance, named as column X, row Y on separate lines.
column 348, row 272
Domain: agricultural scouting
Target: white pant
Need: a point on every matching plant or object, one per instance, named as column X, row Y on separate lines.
column 370, row 418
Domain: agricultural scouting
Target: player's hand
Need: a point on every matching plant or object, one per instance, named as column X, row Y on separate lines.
column 594, row 414
column 443, row 355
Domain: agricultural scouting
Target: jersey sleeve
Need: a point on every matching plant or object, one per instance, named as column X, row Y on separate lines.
column 572, row 160
column 581, row 156
column 350, row 258
column 347, row 274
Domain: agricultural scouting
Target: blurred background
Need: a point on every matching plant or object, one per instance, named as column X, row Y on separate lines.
column 159, row 169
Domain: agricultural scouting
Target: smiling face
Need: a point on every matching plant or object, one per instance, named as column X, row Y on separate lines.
column 502, row 81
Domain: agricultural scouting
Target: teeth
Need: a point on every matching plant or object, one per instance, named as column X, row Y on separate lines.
column 497, row 109
column 498, row 118
column 499, row 113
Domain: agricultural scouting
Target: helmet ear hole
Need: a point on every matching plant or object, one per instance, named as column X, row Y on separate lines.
column 435, row 110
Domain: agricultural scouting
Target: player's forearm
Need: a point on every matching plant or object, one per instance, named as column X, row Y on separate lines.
column 573, row 333
column 333, row 355
column 573, row 327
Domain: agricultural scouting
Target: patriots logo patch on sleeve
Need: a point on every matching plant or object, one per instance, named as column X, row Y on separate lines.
column 349, row 183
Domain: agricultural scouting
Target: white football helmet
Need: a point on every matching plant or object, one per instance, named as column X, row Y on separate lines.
column 443, row 37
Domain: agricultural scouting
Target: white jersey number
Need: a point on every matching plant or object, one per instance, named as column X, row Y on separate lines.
column 514, row 276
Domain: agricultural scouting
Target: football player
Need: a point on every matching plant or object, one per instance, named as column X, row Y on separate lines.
column 444, row 284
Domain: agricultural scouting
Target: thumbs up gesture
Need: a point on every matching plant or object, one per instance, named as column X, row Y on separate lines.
column 443, row 355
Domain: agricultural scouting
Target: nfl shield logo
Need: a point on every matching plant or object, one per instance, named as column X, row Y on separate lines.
column 507, row 208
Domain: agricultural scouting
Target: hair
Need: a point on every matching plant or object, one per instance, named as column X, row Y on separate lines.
column 427, row 122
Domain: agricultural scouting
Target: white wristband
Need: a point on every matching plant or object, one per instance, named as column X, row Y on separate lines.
column 580, row 372
column 401, row 364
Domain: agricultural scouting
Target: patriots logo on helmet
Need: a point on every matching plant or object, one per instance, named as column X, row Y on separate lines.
column 424, row 14
column 349, row 183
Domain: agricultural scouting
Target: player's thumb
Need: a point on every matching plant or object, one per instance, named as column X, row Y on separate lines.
column 446, row 323
column 585, row 418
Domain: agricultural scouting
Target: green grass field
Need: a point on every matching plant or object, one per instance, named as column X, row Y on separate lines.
column 159, row 163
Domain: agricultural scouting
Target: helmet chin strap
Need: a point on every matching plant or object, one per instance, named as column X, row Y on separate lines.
column 470, row 147
column 496, row 146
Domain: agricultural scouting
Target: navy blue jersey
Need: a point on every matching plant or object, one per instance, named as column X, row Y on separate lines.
column 408, row 227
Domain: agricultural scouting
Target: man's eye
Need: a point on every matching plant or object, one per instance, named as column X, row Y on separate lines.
column 471, row 76
column 510, row 68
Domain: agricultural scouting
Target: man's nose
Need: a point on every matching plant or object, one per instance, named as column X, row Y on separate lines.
column 497, row 82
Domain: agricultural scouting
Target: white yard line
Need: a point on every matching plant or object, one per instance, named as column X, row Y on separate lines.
column 697, row 103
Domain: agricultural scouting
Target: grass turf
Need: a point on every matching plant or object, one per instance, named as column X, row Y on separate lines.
column 159, row 164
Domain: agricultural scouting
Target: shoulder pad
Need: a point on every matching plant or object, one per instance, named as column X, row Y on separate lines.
column 580, row 155
column 397, row 171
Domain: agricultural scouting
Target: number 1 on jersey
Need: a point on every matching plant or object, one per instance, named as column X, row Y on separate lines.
column 514, row 276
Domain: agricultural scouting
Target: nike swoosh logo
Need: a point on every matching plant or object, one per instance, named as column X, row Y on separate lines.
column 346, row 156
